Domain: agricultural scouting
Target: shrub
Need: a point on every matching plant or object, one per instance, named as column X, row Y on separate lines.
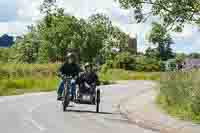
column 125, row 61
column 147, row 64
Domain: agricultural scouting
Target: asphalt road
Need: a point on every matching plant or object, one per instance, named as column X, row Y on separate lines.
column 35, row 113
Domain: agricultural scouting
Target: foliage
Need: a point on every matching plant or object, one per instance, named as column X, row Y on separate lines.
column 48, row 40
column 4, row 54
column 173, row 13
column 147, row 64
column 152, row 52
column 125, row 61
column 159, row 37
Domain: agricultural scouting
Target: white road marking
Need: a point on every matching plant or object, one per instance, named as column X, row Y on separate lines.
column 34, row 122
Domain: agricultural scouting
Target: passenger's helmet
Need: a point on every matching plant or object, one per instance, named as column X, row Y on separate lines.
column 71, row 55
column 87, row 65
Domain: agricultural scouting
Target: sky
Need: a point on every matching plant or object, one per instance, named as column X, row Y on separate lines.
column 16, row 15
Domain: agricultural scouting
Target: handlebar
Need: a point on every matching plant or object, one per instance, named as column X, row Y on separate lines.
column 64, row 77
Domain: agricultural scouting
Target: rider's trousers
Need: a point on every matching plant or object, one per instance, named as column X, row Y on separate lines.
column 71, row 86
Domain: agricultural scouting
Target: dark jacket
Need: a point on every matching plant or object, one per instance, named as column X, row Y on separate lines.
column 70, row 69
column 89, row 78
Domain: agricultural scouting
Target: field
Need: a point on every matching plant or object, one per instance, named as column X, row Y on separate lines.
column 23, row 78
column 180, row 94
column 119, row 74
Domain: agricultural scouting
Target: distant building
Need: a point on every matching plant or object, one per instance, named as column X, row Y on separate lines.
column 188, row 64
column 132, row 44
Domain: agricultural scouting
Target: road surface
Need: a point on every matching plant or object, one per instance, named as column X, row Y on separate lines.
column 35, row 113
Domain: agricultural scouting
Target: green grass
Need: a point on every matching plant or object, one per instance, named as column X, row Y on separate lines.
column 119, row 74
column 179, row 95
column 25, row 78
column 25, row 85
column 27, row 70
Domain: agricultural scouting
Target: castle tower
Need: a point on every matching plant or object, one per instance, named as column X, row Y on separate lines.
column 132, row 43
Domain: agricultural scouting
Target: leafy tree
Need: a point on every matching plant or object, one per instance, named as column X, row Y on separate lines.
column 173, row 13
column 25, row 50
column 159, row 37
column 152, row 52
column 49, row 40
column 4, row 55
column 48, row 7
column 116, row 40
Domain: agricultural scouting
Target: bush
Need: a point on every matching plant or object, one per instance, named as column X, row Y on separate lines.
column 125, row 61
column 147, row 64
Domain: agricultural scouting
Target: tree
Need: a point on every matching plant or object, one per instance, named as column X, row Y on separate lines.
column 4, row 55
column 116, row 40
column 159, row 37
column 25, row 50
column 152, row 52
column 48, row 7
column 49, row 39
column 194, row 55
column 173, row 13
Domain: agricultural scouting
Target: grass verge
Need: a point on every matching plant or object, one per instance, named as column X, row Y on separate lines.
column 119, row 74
column 24, row 78
column 26, row 85
column 179, row 95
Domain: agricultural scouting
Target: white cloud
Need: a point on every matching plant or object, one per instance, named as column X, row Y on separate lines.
column 28, row 10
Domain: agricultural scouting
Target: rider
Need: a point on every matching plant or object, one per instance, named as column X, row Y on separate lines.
column 69, row 68
column 89, row 76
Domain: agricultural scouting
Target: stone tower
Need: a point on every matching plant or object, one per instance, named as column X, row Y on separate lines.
column 132, row 44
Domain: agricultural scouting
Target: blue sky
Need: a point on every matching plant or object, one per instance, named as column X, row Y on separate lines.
column 15, row 15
